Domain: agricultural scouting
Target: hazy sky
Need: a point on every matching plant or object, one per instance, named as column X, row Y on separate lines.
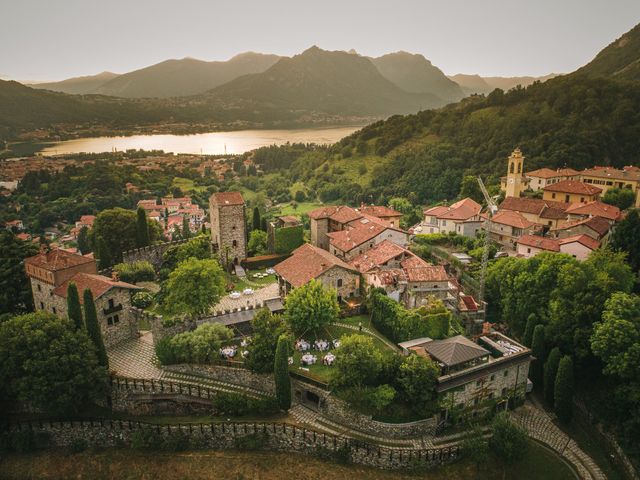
column 55, row 39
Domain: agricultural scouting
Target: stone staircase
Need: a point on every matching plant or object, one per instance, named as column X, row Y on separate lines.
column 197, row 380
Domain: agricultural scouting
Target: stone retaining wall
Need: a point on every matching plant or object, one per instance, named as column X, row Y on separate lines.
column 234, row 375
column 263, row 436
column 152, row 253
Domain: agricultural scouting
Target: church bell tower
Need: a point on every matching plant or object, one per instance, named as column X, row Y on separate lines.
column 515, row 174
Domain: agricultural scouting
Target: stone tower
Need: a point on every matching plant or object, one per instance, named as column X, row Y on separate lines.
column 515, row 174
column 228, row 226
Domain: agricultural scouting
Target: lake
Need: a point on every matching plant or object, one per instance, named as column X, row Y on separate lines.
column 214, row 143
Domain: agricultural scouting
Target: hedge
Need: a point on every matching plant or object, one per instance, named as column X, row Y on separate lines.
column 288, row 239
column 140, row 271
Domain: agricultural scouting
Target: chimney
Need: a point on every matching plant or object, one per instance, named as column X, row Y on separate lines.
column 114, row 276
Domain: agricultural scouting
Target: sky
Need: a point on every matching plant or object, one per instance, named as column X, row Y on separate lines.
column 57, row 39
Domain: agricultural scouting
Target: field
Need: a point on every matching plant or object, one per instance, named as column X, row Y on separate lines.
column 234, row 465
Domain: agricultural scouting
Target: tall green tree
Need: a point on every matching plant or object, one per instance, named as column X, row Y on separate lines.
column 470, row 188
column 47, row 363
column 358, row 362
column 142, row 228
column 74, row 309
column 509, row 442
column 93, row 328
column 84, row 243
column 626, row 238
column 257, row 242
column 527, row 338
column 311, row 307
column 550, row 373
column 119, row 230
column 256, row 223
column 266, row 330
column 563, row 390
column 186, row 229
column 15, row 289
column 476, row 447
column 417, row 377
column 194, row 287
column 622, row 198
column 103, row 253
column 281, row 373
column 538, row 351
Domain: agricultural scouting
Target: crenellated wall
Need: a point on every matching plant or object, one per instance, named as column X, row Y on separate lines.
column 152, row 253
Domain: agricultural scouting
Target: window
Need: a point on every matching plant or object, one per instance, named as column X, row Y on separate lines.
column 339, row 282
column 528, row 250
column 550, row 223
column 109, row 320
column 476, row 401
column 116, row 319
column 490, row 395
column 39, row 287
column 506, row 372
column 234, row 243
column 111, row 304
column 553, row 195
column 504, row 392
column 567, row 198
column 41, row 306
column 435, row 286
column 511, row 168
column 493, row 377
column 54, row 310
column 444, row 223
column 478, row 383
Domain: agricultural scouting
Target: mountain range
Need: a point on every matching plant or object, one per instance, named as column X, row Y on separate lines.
column 316, row 87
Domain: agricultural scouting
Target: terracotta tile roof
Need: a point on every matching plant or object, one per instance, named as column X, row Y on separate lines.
column 57, row 259
column 417, row 270
column 227, row 198
column 461, row 210
column 378, row 255
column 549, row 244
column 542, row 173
column 598, row 224
column 289, row 219
column 595, row 209
column 511, row 219
column 356, row 235
column 379, row 211
column 24, row 236
column 98, row 284
column 573, row 186
column 345, row 215
column 468, row 303
column 585, row 240
column 391, row 276
column 454, row 350
column 628, row 173
column 535, row 206
column 308, row 262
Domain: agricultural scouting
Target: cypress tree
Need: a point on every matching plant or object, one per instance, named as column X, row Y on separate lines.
column 93, row 329
column 186, row 231
column 74, row 310
column 281, row 373
column 527, row 338
column 104, row 256
column 83, row 241
column 142, row 228
column 550, row 373
column 537, row 350
column 563, row 390
column 256, row 219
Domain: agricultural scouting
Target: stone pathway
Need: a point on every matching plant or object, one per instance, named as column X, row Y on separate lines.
column 258, row 298
column 135, row 358
column 539, row 425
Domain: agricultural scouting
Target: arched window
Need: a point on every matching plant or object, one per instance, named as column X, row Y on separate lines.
column 511, row 168
column 519, row 168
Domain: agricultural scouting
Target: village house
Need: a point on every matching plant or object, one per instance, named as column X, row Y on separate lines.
column 608, row 177
column 404, row 276
column 326, row 220
column 462, row 217
column 597, row 228
column 14, row 225
column 578, row 246
column 549, row 213
column 507, row 226
column 580, row 211
column 50, row 274
column 475, row 375
column 571, row 191
column 538, row 179
column 361, row 235
column 309, row 262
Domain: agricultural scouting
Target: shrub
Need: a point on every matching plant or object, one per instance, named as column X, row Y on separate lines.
column 288, row 239
column 281, row 373
column 176, row 442
column 201, row 345
column 140, row 271
column 563, row 390
column 509, row 441
column 235, row 404
column 146, row 439
column 142, row 300
column 164, row 351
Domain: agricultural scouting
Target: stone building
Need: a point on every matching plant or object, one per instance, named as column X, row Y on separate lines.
column 463, row 218
column 227, row 212
column 284, row 234
column 515, row 181
column 308, row 263
column 571, row 191
column 50, row 274
column 475, row 375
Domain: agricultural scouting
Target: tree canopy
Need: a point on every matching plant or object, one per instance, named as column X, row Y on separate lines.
column 15, row 289
column 358, row 361
column 311, row 307
column 266, row 330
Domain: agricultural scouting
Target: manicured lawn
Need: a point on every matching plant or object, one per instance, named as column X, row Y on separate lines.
column 126, row 464
column 187, row 185
column 300, row 209
column 240, row 284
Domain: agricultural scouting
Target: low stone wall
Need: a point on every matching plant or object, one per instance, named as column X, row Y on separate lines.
column 236, row 435
column 235, row 375
column 338, row 411
column 152, row 253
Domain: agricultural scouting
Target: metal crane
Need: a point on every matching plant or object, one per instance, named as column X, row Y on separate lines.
column 491, row 209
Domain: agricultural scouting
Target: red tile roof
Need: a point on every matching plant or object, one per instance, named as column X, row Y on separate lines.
column 573, row 186
column 535, row 206
column 585, row 240
column 595, row 209
column 358, row 232
column 511, row 219
column 417, row 270
column 461, row 210
column 549, row 173
column 378, row 255
column 628, row 173
column 598, row 224
column 549, row 244
column 57, row 259
column 98, row 284
column 308, row 262
column 228, row 198
column 379, row 211
column 334, row 212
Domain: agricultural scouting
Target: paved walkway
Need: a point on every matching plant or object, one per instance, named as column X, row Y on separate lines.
column 135, row 358
column 540, row 427
column 259, row 296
